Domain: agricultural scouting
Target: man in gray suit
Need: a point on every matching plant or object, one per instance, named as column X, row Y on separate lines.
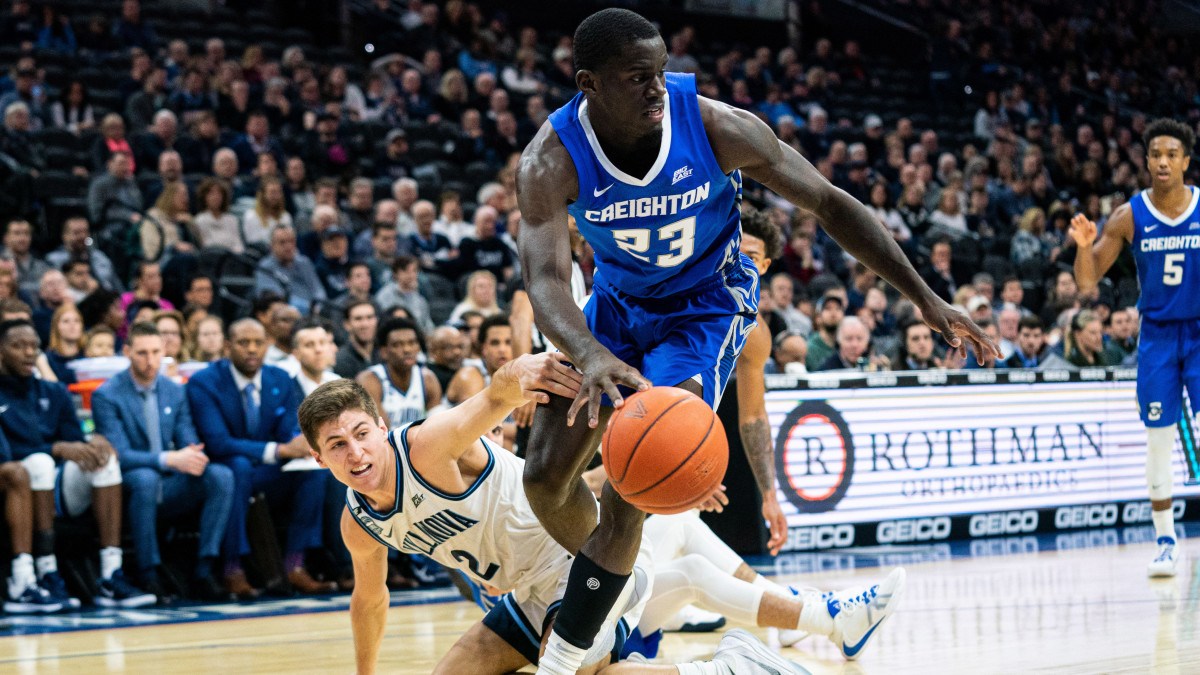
column 144, row 415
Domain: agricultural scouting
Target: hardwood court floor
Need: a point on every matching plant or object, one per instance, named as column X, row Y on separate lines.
column 1072, row 610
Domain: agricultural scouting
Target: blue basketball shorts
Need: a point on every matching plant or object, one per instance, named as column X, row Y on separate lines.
column 1168, row 361
column 694, row 335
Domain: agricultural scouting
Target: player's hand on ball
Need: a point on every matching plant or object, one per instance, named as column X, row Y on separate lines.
column 540, row 375
column 602, row 374
column 1083, row 231
column 955, row 327
column 717, row 501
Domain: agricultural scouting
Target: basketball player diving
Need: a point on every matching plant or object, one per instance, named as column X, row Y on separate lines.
column 651, row 173
column 439, row 488
column 1162, row 225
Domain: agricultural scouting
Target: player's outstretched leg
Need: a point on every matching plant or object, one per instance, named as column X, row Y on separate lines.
column 555, row 459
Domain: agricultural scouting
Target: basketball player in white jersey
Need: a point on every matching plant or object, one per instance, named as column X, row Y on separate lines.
column 403, row 389
column 439, row 488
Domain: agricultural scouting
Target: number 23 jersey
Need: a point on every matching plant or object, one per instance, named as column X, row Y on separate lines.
column 669, row 231
column 1167, row 252
column 489, row 531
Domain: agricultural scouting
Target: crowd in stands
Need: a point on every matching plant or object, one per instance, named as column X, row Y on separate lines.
column 292, row 218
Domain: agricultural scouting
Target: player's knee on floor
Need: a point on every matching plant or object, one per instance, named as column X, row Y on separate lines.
column 41, row 469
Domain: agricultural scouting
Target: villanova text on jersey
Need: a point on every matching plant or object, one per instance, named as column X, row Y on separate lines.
column 669, row 232
column 1167, row 253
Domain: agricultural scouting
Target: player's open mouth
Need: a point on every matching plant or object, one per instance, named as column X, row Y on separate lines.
column 360, row 470
column 655, row 113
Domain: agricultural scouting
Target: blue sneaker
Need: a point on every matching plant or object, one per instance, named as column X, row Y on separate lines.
column 1166, row 559
column 33, row 599
column 56, row 586
column 857, row 613
column 116, row 591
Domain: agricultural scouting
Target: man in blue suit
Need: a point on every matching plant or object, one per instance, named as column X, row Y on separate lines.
column 246, row 415
column 144, row 415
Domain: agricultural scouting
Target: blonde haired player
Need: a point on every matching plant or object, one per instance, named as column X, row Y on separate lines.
column 439, row 488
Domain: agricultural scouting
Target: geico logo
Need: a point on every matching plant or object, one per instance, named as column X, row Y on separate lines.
column 1140, row 512
column 1091, row 515
column 1010, row 522
column 1008, row 546
column 820, row 536
column 917, row 529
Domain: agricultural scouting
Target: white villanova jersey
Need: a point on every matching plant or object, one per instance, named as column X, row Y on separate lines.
column 489, row 531
column 401, row 407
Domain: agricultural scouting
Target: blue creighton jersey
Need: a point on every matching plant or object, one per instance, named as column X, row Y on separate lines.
column 665, row 234
column 1167, row 251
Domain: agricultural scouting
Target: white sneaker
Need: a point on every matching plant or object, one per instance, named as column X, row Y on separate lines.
column 743, row 654
column 857, row 613
column 1167, row 558
column 791, row 637
column 692, row 619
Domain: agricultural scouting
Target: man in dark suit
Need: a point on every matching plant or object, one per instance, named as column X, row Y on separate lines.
column 246, row 415
column 144, row 415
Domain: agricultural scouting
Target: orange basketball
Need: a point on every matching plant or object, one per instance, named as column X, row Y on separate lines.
column 665, row 450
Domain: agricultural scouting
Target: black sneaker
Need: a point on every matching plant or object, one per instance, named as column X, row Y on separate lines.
column 116, row 591
column 56, row 586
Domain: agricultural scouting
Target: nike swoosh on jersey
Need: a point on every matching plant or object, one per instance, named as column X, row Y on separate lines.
column 851, row 651
column 596, row 192
column 1149, row 228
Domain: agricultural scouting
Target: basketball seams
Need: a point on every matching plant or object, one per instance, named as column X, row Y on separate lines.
column 712, row 422
column 647, row 427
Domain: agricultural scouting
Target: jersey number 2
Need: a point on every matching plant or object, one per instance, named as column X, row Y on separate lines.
column 462, row 556
column 681, row 234
column 1173, row 269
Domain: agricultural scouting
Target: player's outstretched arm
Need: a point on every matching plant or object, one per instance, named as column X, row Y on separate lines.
column 742, row 141
column 755, row 429
column 1095, row 256
column 546, row 183
column 530, row 377
column 369, row 601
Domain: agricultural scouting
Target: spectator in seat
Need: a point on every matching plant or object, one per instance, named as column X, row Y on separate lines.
column 170, row 170
column 41, row 431
column 782, row 290
column 822, row 343
column 17, row 142
column 208, row 344
column 1008, row 320
column 80, row 281
column 269, row 212
column 1120, row 338
column 20, row 26
column 214, row 225
column 384, row 244
column 287, row 272
column 360, row 319
column 202, row 143
column 358, row 284
column 130, row 30
column 485, row 251
column 66, row 342
column 325, row 151
column 52, row 294
column 191, row 97
column 360, row 210
column 152, row 97
column 853, row 348
column 481, row 297
column 111, row 141
column 403, row 290
column 937, row 274
column 433, row 250
column 115, row 196
column 162, row 135
column 78, row 244
column 167, row 229
column 280, row 321
column 1084, row 342
column 73, row 110
column 147, row 286
column 1032, row 350
column 256, row 140
column 333, row 261
column 18, row 243
column 166, row 472
column 447, row 347
column 393, row 162
column 30, row 92
column 245, row 414
column 916, row 347
column 324, row 217
column 788, row 354
column 450, row 219
column 404, row 191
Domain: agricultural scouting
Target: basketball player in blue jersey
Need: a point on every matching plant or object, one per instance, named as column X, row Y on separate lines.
column 652, row 173
column 1162, row 225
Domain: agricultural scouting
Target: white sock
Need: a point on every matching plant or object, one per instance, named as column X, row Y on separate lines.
column 23, row 575
column 46, row 564
column 1164, row 523
column 561, row 657
column 110, row 561
column 703, row 668
column 770, row 586
column 814, row 618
